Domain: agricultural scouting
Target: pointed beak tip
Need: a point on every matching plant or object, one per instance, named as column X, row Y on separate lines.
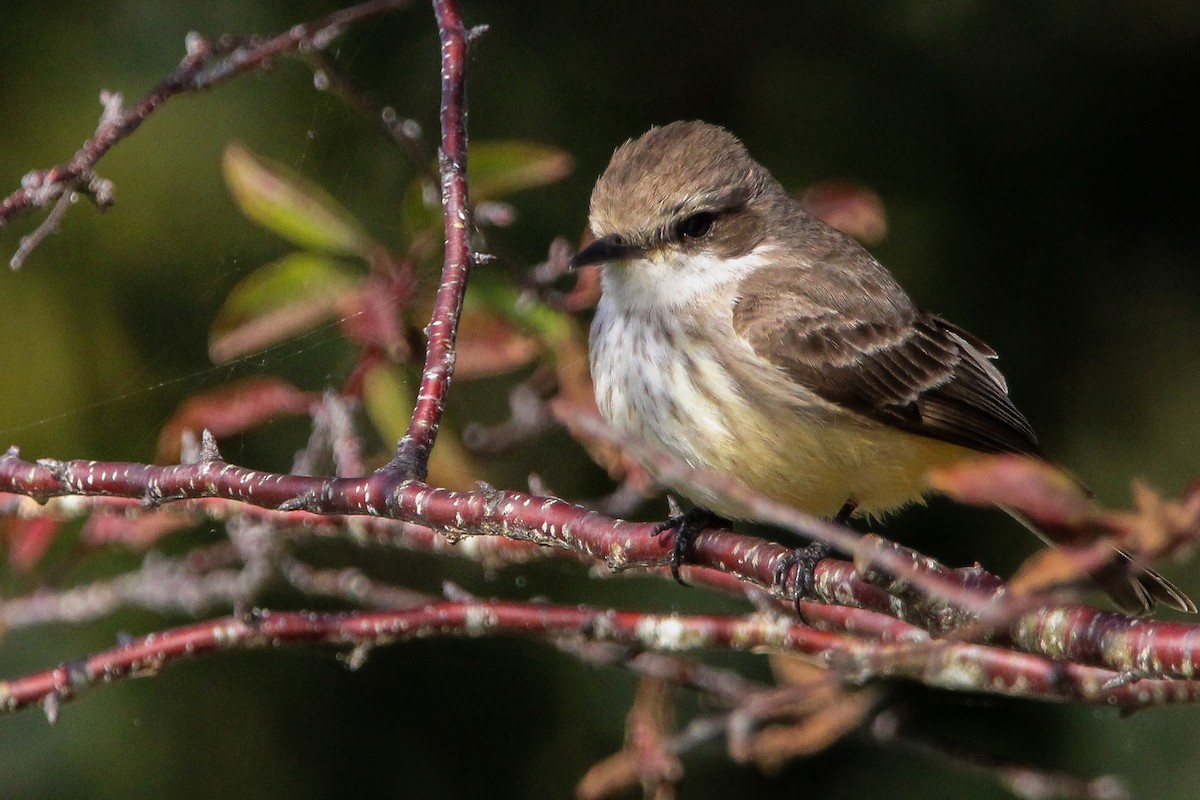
column 603, row 250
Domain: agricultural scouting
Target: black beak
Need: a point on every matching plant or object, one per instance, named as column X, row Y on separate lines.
column 609, row 248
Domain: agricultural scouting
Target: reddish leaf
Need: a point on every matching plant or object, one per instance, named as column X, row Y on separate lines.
column 646, row 759
column 138, row 531
column 850, row 207
column 28, row 540
column 489, row 345
column 1047, row 569
column 372, row 318
column 278, row 301
column 811, row 711
column 1156, row 525
column 1044, row 494
column 232, row 409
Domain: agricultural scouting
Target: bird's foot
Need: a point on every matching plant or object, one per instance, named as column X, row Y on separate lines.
column 805, row 560
column 686, row 525
column 803, row 583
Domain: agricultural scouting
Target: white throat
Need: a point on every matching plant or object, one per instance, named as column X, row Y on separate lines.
column 668, row 281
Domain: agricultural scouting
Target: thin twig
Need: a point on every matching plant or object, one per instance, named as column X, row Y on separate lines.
column 412, row 452
column 992, row 670
column 206, row 64
column 404, row 132
column 47, row 226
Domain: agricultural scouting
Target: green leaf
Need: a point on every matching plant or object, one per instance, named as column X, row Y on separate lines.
column 291, row 205
column 496, row 169
column 278, row 301
column 501, row 297
column 388, row 395
column 417, row 216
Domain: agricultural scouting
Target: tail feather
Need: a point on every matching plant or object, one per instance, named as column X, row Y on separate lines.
column 1135, row 591
column 1139, row 592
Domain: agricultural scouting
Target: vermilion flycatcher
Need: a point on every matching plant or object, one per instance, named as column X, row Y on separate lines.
column 740, row 334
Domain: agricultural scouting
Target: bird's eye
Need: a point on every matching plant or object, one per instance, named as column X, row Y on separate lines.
column 696, row 226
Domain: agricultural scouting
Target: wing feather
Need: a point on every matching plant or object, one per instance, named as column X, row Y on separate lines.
column 883, row 359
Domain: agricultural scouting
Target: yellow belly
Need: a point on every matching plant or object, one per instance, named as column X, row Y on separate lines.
column 818, row 465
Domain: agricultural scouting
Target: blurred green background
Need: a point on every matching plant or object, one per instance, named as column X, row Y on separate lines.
column 1038, row 163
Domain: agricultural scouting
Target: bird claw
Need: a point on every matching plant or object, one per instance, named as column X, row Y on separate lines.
column 803, row 582
column 685, row 526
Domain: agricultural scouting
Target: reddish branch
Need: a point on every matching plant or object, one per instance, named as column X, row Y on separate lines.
column 167, row 586
column 412, row 452
column 206, row 64
column 954, row 666
column 1139, row 648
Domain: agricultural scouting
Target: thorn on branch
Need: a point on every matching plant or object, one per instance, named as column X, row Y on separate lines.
column 209, row 453
column 1121, row 679
column 114, row 107
column 101, row 191
column 50, row 706
column 254, row 617
column 56, row 468
column 77, row 673
column 309, row 501
column 493, row 496
column 153, row 496
column 457, row 594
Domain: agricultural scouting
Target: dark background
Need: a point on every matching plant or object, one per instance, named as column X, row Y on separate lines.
column 1038, row 162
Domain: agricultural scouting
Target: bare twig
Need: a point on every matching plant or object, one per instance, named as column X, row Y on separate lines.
column 991, row 669
column 163, row 585
column 406, row 133
column 1023, row 780
column 206, row 64
column 47, row 227
column 412, row 452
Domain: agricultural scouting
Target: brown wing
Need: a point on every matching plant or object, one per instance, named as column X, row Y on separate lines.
column 856, row 341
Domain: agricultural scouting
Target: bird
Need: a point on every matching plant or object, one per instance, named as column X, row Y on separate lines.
column 740, row 334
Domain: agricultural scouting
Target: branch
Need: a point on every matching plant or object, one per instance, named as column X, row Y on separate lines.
column 1129, row 647
column 958, row 667
column 404, row 132
column 207, row 64
column 412, row 452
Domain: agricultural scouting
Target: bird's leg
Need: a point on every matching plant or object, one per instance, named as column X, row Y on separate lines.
column 686, row 525
column 845, row 512
column 805, row 559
